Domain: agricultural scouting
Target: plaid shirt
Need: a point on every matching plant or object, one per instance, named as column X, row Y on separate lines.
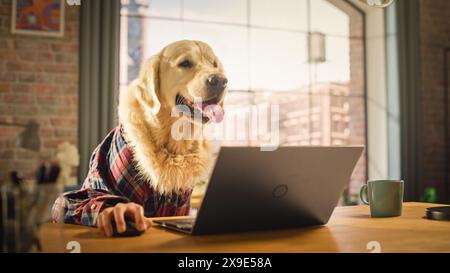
column 113, row 179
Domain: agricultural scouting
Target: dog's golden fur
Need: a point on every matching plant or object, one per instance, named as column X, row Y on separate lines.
column 145, row 112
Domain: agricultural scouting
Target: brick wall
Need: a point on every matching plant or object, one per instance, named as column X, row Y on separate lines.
column 38, row 81
column 435, row 36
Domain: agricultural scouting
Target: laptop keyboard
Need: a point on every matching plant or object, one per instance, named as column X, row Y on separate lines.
column 186, row 224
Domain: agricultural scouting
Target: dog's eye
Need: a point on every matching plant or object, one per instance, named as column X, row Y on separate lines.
column 215, row 64
column 185, row 64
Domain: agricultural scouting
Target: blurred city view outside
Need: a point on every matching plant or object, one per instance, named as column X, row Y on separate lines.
column 271, row 57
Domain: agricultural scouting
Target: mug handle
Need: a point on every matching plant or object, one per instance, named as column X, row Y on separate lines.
column 362, row 195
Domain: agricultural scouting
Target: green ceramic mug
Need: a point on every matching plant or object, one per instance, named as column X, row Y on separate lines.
column 385, row 197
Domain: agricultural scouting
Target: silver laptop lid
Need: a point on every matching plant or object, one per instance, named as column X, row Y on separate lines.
column 290, row 187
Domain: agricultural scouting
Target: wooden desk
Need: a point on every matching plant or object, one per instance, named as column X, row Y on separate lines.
column 350, row 230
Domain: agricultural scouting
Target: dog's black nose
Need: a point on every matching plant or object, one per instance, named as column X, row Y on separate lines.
column 216, row 83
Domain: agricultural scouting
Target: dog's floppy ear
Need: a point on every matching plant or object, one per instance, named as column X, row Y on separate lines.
column 147, row 88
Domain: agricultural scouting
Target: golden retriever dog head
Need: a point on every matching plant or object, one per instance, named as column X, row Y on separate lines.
column 186, row 75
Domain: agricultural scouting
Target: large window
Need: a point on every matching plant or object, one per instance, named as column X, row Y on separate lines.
column 307, row 56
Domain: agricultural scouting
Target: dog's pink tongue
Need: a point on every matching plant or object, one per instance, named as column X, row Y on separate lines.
column 214, row 112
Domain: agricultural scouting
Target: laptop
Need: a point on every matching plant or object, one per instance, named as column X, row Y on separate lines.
column 251, row 190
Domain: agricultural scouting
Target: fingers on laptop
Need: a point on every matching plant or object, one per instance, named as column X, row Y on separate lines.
column 118, row 213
